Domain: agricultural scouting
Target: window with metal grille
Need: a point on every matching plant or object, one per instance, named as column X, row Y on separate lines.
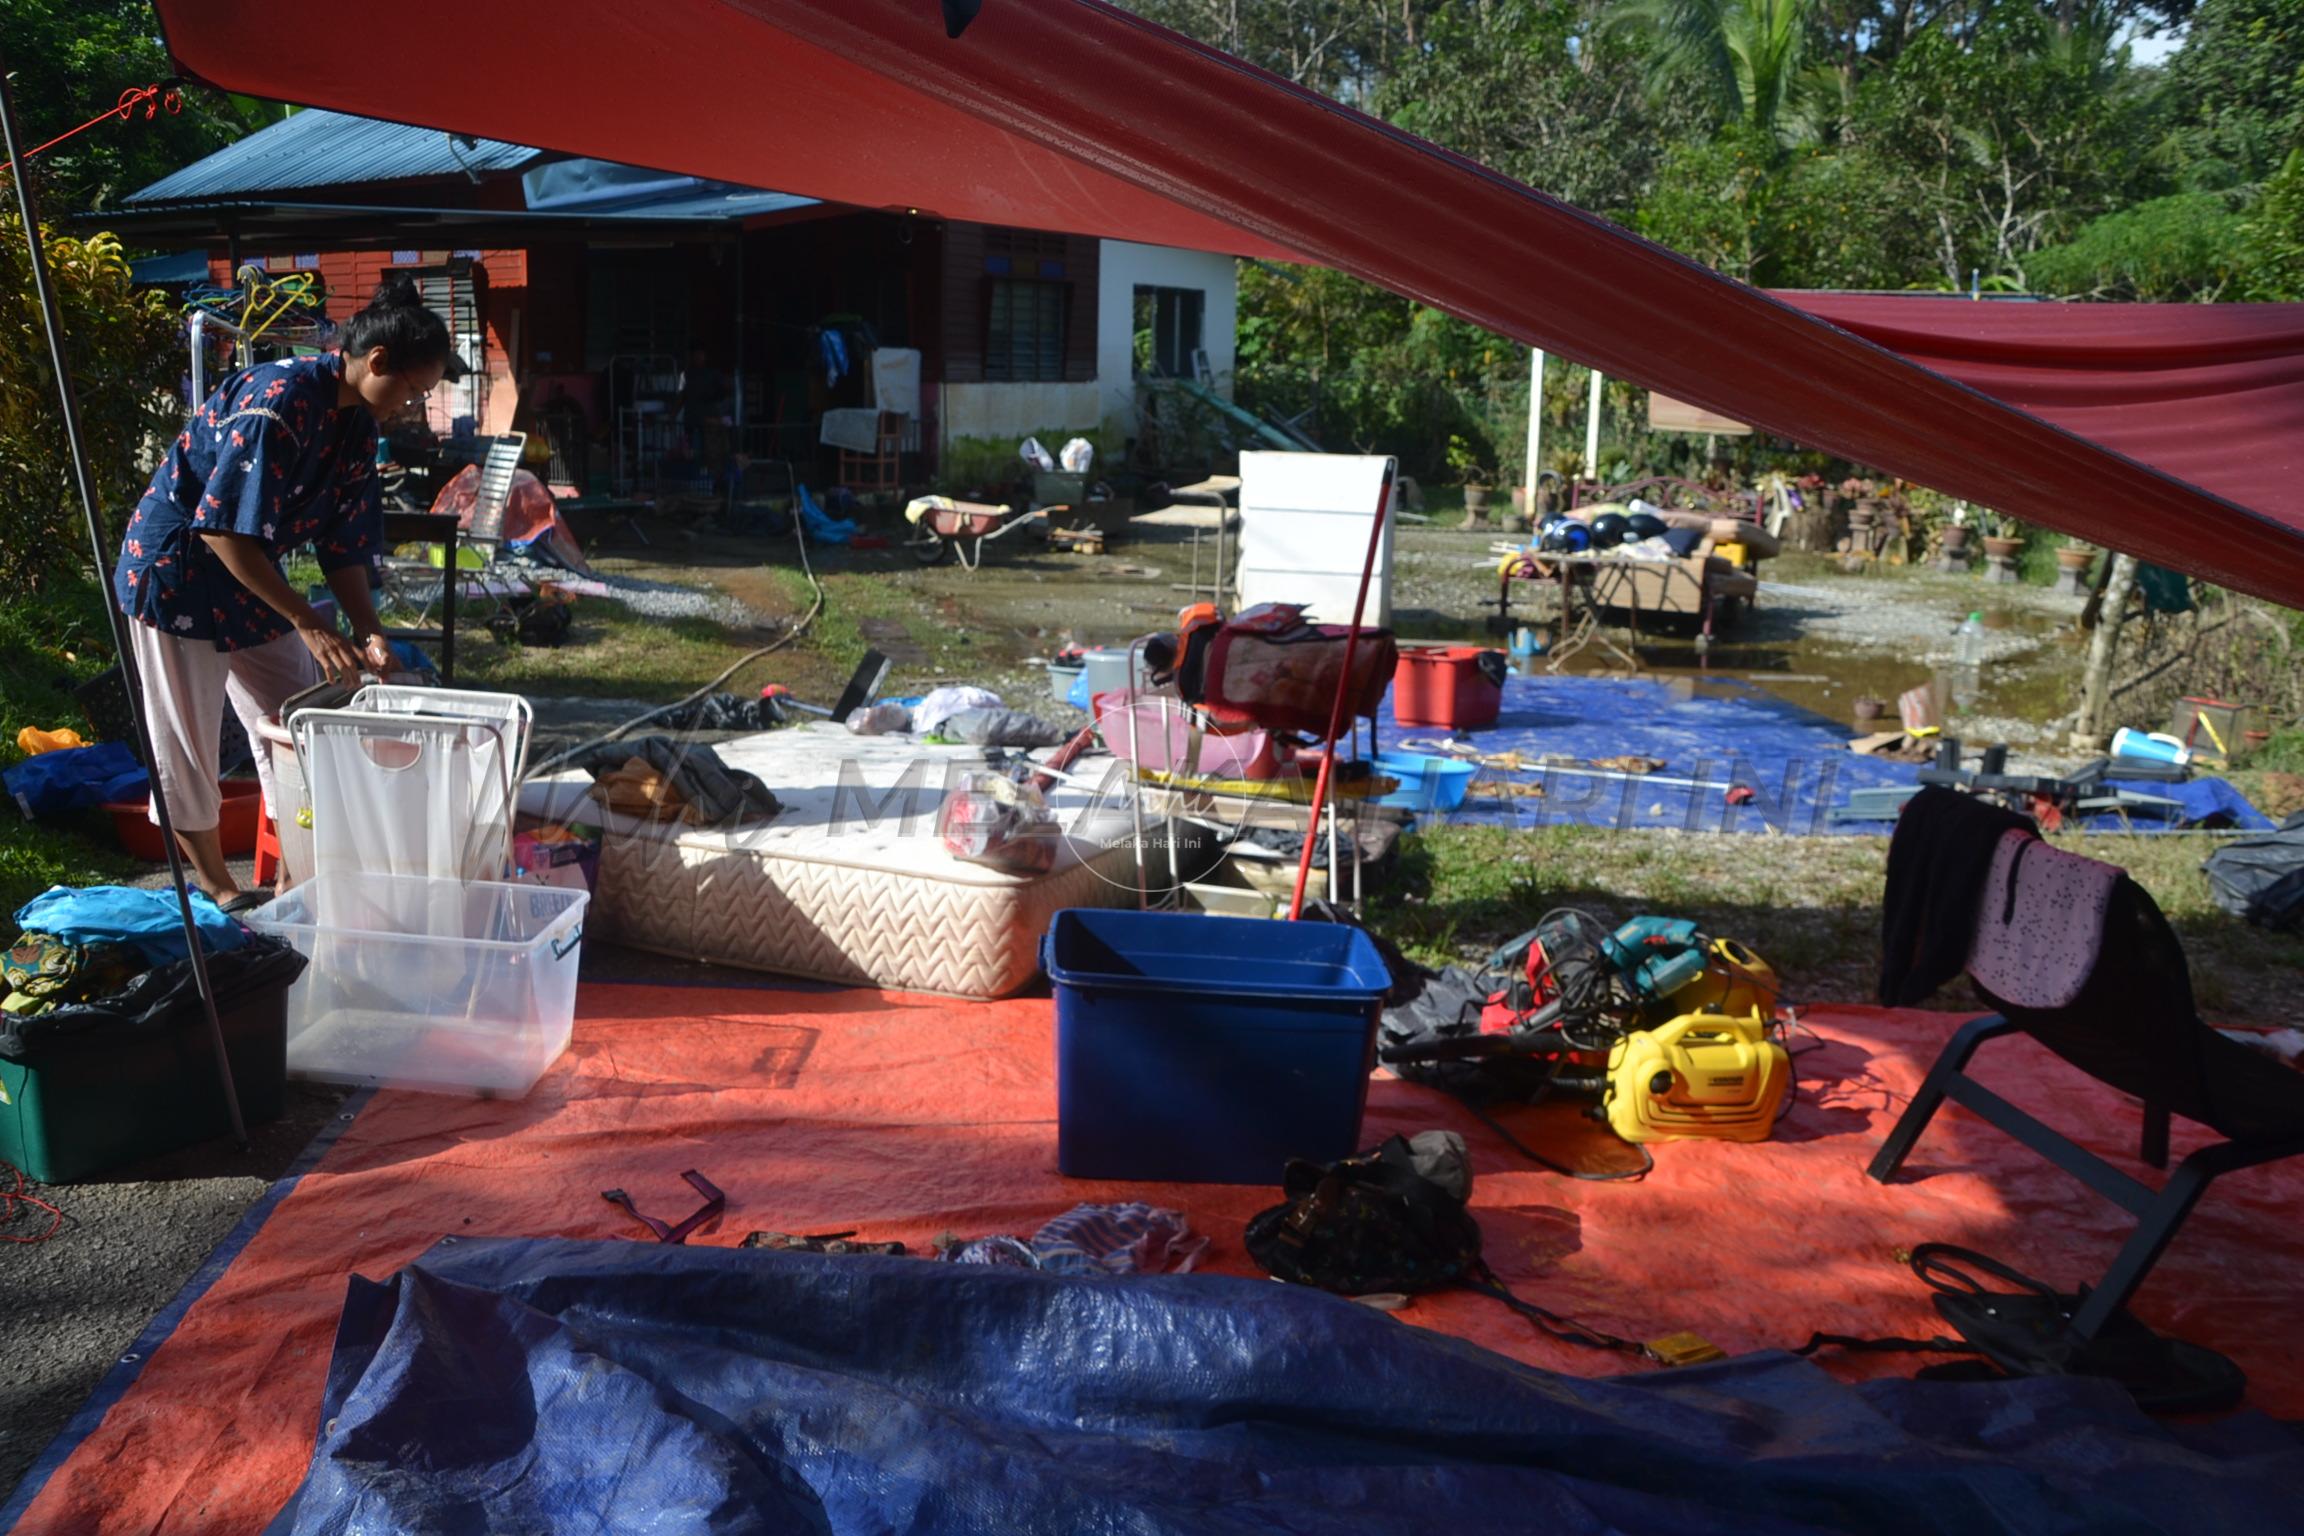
column 452, row 292
column 1167, row 330
column 1024, row 331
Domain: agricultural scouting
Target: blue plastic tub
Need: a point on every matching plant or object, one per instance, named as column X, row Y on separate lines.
column 1426, row 783
column 1200, row 1049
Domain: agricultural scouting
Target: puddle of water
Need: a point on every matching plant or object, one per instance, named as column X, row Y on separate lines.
column 1804, row 669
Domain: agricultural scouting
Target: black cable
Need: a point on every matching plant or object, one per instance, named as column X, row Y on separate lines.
column 1566, row 1329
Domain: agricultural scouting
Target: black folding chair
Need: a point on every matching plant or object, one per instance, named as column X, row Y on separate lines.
column 2134, row 1027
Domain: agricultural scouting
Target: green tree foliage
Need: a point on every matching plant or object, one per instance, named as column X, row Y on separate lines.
column 2186, row 246
column 1751, row 57
column 72, row 59
column 2235, row 93
column 1525, row 87
column 124, row 359
column 2274, row 231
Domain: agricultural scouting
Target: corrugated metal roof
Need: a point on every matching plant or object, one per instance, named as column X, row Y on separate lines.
column 313, row 149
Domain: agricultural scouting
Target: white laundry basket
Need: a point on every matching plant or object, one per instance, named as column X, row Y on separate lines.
column 447, row 986
column 407, row 794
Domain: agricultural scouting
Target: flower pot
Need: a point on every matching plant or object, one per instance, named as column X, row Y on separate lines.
column 1862, row 515
column 1955, row 538
column 1475, row 502
column 2074, row 559
column 2002, row 549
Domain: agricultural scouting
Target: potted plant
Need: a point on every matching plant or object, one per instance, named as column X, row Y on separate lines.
column 1474, row 477
column 2001, row 536
column 2075, row 555
column 1953, row 532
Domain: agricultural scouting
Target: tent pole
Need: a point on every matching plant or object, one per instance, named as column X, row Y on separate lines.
column 1343, row 690
column 1592, row 431
column 1533, row 473
column 68, row 405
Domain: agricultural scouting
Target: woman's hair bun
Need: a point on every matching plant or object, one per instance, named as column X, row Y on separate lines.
column 397, row 293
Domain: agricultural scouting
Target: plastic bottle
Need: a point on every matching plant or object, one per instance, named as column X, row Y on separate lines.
column 1968, row 663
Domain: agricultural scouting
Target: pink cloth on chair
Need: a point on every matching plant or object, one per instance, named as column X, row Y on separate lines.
column 2040, row 922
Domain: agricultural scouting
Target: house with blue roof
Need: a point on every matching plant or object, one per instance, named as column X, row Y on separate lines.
column 580, row 289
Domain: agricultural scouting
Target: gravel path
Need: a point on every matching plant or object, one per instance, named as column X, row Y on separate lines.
column 671, row 600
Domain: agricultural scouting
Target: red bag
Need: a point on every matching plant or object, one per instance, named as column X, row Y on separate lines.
column 1269, row 667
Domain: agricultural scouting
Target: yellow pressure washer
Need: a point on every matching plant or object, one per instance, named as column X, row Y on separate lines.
column 1703, row 1075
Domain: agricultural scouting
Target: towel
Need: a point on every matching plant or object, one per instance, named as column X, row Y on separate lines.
column 2040, row 925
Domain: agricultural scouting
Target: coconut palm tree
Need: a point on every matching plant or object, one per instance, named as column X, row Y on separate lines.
column 1753, row 55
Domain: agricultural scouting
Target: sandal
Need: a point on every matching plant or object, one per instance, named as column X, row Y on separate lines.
column 246, row 901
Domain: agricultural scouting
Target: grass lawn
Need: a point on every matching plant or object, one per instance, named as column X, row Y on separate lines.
column 1810, row 905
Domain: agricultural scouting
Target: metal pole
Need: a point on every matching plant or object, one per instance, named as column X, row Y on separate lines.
column 1592, row 430
column 1535, row 466
column 68, row 405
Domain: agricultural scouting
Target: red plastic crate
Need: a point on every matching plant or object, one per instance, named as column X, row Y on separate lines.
column 1444, row 686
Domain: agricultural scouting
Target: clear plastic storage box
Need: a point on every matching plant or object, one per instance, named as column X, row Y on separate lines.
column 442, row 985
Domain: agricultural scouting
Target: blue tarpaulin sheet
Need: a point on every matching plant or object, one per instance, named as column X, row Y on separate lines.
column 1796, row 762
column 640, row 1387
column 1717, row 733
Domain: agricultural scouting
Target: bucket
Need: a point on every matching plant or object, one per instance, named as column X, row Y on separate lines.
column 2160, row 747
column 1106, row 669
column 1061, row 676
column 1445, row 686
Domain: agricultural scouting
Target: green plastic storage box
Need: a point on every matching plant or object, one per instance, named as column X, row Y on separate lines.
column 83, row 1103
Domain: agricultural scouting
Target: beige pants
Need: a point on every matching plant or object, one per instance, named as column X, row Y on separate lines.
column 186, row 683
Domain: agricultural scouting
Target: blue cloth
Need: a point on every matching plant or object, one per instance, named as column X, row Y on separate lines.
column 1796, row 762
column 835, row 355
column 821, row 526
column 117, row 914
column 270, row 456
column 75, row 779
column 686, row 1391
column 2203, row 802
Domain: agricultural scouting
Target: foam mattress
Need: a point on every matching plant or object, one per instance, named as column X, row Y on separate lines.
column 850, row 883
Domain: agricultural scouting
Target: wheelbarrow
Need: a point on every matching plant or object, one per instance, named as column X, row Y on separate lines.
column 943, row 528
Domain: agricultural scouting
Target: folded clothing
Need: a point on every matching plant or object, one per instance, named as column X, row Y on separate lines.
column 147, row 921
column 43, row 971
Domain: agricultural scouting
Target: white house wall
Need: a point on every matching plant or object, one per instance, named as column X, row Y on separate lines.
column 1122, row 267
column 1017, row 410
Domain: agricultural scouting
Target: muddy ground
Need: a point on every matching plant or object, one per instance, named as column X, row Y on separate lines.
column 1818, row 637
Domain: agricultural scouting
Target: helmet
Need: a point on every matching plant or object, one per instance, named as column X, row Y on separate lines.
column 1644, row 525
column 1609, row 529
column 1565, row 536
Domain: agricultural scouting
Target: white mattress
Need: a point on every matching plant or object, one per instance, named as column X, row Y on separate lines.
column 850, row 883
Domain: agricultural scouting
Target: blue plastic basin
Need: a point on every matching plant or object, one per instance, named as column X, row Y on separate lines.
column 1426, row 783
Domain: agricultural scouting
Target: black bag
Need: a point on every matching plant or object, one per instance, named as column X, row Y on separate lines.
column 1366, row 1225
column 2261, row 878
column 161, row 998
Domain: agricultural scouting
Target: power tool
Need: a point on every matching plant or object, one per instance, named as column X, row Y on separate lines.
column 1711, row 1075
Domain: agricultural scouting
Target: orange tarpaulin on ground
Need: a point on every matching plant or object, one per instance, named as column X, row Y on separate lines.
column 906, row 1118
column 1075, row 115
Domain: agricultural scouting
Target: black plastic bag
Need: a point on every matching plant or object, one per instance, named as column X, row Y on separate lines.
column 164, row 997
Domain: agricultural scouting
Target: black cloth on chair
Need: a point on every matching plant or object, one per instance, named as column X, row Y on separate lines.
column 2136, row 1027
column 1937, row 861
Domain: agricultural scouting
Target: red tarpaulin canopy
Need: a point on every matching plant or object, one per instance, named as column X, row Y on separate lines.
column 1068, row 114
